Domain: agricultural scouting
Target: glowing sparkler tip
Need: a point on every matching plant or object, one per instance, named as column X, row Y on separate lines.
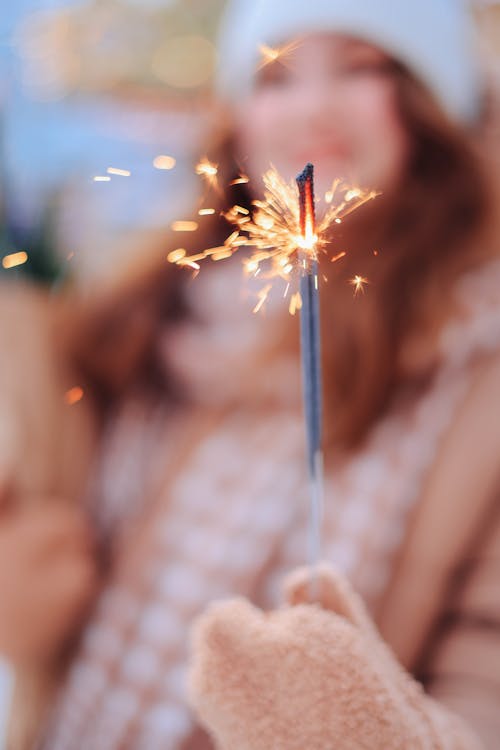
column 306, row 174
column 305, row 184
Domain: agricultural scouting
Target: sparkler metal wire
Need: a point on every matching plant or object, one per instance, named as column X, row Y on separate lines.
column 310, row 337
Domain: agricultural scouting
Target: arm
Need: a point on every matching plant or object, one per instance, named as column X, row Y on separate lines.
column 45, row 443
column 47, row 566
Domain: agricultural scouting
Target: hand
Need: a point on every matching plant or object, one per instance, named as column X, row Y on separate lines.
column 47, row 577
column 315, row 676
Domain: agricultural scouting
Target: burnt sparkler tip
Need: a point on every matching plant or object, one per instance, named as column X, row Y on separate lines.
column 306, row 174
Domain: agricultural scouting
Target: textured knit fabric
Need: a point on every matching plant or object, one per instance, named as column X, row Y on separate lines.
column 313, row 676
column 228, row 514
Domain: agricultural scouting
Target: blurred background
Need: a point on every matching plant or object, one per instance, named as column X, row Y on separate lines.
column 104, row 107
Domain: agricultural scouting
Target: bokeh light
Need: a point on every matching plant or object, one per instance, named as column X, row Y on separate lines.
column 185, row 62
column 162, row 161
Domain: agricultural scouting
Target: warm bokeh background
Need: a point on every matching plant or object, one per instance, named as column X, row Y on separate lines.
column 89, row 85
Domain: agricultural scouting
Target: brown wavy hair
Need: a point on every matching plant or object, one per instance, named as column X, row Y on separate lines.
column 410, row 244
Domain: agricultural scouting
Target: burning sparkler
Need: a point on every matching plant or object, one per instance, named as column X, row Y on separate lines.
column 286, row 242
column 273, row 231
column 310, row 340
column 277, row 235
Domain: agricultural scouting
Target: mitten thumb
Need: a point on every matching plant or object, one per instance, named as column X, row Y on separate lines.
column 323, row 585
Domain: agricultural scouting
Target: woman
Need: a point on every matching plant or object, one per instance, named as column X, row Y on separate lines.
column 200, row 489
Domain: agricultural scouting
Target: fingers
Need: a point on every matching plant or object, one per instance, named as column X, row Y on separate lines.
column 331, row 590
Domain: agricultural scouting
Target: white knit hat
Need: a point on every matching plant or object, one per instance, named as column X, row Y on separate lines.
column 433, row 38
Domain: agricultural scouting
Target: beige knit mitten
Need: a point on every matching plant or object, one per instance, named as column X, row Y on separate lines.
column 315, row 676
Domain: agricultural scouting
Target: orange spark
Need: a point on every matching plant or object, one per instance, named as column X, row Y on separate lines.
column 241, row 180
column 358, row 282
column 120, row 172
column 206, row 211
column 14, row 259
column 189, row 262
column 176, row 255
column 330, row 194
column 352, row 193
column 222, row 254
column 295, row 303
column 338, row 256
column 274, row 54
column 208, row 170
column 184, row 226
column 73, row 395
column 262, row 295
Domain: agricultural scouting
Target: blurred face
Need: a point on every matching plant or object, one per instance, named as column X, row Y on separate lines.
column 330, row 101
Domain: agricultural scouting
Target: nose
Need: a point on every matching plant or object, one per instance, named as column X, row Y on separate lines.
column 317, row 104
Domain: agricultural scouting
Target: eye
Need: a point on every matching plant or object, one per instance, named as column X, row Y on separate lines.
column 362, row 60
column 273, row 74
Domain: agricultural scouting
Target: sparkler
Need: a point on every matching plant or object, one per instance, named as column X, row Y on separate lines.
column 286, row 243
column 310, row 340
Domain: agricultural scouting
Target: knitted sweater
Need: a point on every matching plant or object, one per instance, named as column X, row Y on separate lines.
column 227, row 510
